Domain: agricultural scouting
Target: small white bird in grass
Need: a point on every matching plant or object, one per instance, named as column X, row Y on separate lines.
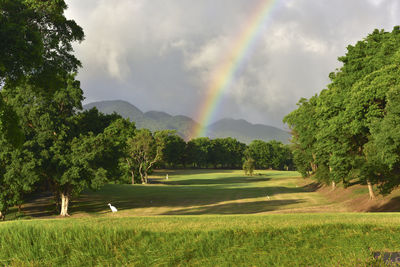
column 268, row 197
column 113, row 209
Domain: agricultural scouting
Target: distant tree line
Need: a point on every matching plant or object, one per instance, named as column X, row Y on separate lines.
column 225, row 153
column 350, row 132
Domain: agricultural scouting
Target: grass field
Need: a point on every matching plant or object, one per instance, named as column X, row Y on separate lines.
column 197, row 192
column 238, row 226
column 201, row 192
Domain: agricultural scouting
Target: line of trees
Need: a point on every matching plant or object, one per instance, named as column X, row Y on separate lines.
column 350, row 133
column 225, row 153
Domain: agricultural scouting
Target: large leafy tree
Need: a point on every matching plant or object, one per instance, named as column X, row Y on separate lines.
column 69, row 149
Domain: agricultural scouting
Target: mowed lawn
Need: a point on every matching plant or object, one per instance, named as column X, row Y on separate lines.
column 198, row 192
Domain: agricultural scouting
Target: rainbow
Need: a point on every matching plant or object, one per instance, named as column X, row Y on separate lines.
column 225, row 73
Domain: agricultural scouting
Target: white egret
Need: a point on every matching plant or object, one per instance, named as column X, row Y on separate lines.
column 113, row 209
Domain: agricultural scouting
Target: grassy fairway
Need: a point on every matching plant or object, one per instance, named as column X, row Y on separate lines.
column 205, row 192
column 233, row 240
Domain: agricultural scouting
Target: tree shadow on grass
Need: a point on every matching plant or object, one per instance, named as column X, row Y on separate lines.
column 237, row 208
column 392, row 205
column 39, row 205
column 213, row 181
column 191, row 171
column 184, row 194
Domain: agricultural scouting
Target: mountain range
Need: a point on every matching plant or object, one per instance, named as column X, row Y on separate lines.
column 242, row 130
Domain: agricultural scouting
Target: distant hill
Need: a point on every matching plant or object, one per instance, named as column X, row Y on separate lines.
column 246, row 131
column 123, row 108
column 242, row 130
column 152, row 120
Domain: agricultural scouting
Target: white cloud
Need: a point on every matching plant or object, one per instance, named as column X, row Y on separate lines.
column 209, row 55
column 162, row 54
column 376, row 2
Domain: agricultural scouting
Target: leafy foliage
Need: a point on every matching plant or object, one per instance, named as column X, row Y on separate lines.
column 36, row 40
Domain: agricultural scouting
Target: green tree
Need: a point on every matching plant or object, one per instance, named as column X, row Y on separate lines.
column 145, row 150
column 261, row 153
column 197, row 152
column 249, row 166
column 174, row 150
column 226, row 152
column 118, row 132
column 70, row 156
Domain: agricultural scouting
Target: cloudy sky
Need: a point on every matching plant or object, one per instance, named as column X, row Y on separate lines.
column 162, row 54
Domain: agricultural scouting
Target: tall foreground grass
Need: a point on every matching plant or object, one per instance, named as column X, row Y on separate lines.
column 268, row 240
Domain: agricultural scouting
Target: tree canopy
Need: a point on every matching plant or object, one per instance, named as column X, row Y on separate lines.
column 36, row 40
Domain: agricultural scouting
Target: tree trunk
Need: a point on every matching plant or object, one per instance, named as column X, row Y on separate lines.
column 64, row 204
column 333, row 182
column 141, row 173
column 314, row 166
column 370, row 190
column 146, row 177
column 19, row 208
column 133, row 177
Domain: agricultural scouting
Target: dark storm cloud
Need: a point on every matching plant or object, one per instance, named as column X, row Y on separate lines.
column 161, row 54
